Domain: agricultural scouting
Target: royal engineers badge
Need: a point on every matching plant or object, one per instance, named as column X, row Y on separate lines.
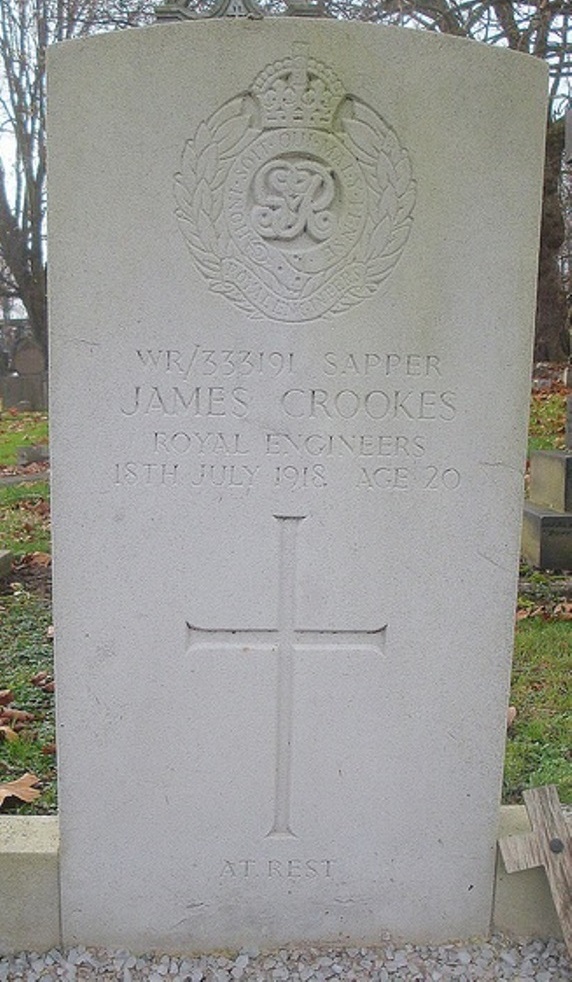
column 295, row 199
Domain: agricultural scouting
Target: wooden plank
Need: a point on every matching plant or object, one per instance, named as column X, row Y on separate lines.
column 521, row 852
column 548, row 845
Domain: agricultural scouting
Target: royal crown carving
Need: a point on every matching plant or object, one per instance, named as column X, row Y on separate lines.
column 298, row 91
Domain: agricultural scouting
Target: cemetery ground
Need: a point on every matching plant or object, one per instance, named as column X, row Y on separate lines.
column 539, row 739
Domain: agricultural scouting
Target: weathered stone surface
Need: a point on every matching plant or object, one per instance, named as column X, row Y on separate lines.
column 551, row 479
column 546, row 537
column 5, row 563
column 26, row 393
column 33, row 454
column 301, row 263
column 28, row 359
column 29, row 901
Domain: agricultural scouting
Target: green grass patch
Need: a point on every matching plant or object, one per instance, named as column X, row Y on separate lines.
column 539, row 745
column 547, row 424
column 20, row 430
column 25, row 518
column 26, row 650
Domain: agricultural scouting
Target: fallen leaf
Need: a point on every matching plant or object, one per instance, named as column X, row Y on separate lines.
column 44, row 682
column 23, row 788
column 39, row 678
column 510, row 716
column 8, row 733
column 17, row 715
column 41, row 507
column 40, row 558
column 6, row 697
column 563, row 611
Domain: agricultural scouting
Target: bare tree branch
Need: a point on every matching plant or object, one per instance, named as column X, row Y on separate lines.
column 27, row 28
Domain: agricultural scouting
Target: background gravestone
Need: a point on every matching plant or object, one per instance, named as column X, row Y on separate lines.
column 28, row 388
column 547, row 520
column 28, row 359
column 285, row 567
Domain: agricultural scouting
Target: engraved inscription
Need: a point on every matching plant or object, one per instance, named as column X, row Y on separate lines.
column 376, row 363
column 286, row 640
column 224, row 362
column 377, row 404
column 186, row 400
column 295, row 198
column 428, row 478
column 276, row 869
column 206, row 408
column 295, row 478
column 133, row 472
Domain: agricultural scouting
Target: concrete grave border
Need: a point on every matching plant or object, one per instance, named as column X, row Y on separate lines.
column 29, row 886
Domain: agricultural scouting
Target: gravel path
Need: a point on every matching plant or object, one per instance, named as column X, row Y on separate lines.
column 499, row 958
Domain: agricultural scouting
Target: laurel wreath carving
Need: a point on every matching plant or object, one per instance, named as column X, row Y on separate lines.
column 392, row 193
column 199, row 191
column 208, row 158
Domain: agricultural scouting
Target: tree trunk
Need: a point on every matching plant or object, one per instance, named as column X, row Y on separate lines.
column 551, row 339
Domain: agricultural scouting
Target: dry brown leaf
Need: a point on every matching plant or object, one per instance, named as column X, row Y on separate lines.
column 43, row 681
column 8, row 733
column 23, row 788
column 41, row 558
column 17, row 715
column 6, row 697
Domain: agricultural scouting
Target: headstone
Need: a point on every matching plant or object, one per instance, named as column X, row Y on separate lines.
column 24, row 393
column 551, row 479
column 26, row 390
column 36, row 454
column 288, row 446
column 546, row 537
column 547, row 522
column 5, row 564
column 28, row 358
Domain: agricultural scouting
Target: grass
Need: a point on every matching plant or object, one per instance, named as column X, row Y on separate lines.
column 25, row 651
column 539, row 745
column 539, row 741
column 20, row 430
column 25, row 518
column 547, row 421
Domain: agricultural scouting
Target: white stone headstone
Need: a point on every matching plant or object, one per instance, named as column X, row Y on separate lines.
column 292, row 273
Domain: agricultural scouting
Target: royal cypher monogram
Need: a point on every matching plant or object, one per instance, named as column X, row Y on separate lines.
column 295, row 198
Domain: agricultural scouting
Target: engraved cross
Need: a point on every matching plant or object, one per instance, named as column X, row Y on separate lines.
column 286, row 640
